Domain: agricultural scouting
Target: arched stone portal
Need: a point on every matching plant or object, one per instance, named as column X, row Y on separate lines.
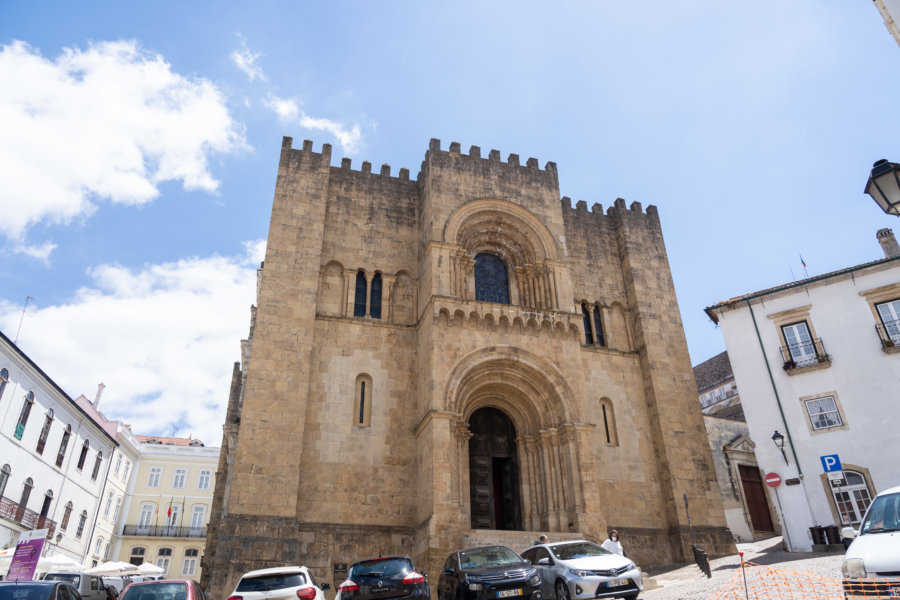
column 493, row 471
column 524, row 401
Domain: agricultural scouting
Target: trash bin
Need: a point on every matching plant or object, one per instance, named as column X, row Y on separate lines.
column 833, row 534
column 818, row 534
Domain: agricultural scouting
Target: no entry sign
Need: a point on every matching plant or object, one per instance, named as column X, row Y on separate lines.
column 773, row 479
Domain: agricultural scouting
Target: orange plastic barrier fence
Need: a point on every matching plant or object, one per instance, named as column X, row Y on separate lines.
column 762, row 582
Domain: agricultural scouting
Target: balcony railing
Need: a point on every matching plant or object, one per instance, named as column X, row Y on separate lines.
column 889, row 334
column 805, row 354
column 164, row 531
column 26, row 517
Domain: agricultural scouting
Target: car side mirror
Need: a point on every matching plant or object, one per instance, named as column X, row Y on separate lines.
column 848, row 532
column 544, row 561
column 449, row 571
column 424, row 574
column 325, row 586
column 526, row 561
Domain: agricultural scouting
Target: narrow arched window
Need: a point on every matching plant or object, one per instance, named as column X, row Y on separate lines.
column 83, row 456
column 23, row 415
column 97, row 462
column 375, row 300
column 359, row 300
column 45, row 432
column 4, row 377
column 67, row 514
column 491, row 279
column 4, row 477
column 26, row 492
column 362, row 407
column 61, row 455
column 48, row 500
column 588, row 330
column 598, row 327
column 82, row 520
column 608, row 419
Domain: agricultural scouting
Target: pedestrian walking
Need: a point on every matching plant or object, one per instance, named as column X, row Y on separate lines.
column 613, row 544
column 541, row 540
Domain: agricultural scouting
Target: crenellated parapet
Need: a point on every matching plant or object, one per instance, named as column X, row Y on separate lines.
column 493, row 164
column 617, row 211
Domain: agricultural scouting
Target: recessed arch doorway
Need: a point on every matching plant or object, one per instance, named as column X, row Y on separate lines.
column 494, row 471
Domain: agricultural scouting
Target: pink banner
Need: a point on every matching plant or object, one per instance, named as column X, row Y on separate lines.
column 25, row 560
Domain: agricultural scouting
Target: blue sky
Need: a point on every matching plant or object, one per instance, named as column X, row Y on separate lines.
column 140, row 141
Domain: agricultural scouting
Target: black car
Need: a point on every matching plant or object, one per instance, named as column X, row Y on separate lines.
column 394, row 577
column 488, row 573
column 37, row 590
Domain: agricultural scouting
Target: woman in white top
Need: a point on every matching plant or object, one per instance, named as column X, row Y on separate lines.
column 612, row 544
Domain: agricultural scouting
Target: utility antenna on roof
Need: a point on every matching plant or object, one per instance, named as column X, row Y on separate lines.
column 22, row 318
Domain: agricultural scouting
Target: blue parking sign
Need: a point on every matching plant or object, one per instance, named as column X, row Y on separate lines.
column 831, row 462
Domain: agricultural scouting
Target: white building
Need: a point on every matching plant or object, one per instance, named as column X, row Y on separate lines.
column 106, row 535
column 890, row 12
column 54, row 458
column 818, row 361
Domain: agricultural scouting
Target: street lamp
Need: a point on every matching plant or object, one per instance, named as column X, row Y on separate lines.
column 779, row 443
column 884, row 186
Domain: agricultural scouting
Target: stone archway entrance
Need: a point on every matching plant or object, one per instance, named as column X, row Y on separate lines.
column 493, row 471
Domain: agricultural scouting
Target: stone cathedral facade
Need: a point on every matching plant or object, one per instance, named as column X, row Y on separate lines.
column 457, row 359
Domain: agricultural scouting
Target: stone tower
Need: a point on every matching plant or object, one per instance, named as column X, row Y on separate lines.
column 455, row 360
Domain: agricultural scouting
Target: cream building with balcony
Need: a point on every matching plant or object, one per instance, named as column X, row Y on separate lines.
column 168, row 505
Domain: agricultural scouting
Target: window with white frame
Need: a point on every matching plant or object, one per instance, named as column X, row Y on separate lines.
column 823, row 413
column 163, row 558
column 127, row 468
column 890, row 317
column 137, row 555
column 198, row 517
column 799, row 343
column 98, row 546
column 203, row 482
column 852, row 497
column 108, row 506
column 118, row 509
column 178, row 482
column 153, row 479
column 190, row 561
column 118, row 466
column 147, row 511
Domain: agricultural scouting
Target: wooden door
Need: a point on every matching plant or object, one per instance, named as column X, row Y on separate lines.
column 755, row 495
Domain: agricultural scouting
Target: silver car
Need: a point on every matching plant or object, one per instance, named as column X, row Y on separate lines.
column 580, row 570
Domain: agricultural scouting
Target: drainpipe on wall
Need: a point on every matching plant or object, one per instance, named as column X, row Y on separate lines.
column 783, row 420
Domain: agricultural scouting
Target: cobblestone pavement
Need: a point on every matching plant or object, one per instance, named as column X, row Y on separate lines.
column 687, row 582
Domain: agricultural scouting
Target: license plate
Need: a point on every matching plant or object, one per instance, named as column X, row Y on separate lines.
column 509, row 593
column 616, row 583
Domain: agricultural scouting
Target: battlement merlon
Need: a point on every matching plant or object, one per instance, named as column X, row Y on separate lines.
column 618, row 209
column 304, row 158
column 455, row 151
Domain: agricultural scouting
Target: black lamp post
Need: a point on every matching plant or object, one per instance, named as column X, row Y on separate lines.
column 884, row 186
column 779, row 443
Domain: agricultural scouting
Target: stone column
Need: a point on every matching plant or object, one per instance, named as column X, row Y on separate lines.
column 350, row 292
column 387, row 297
column 525, row 485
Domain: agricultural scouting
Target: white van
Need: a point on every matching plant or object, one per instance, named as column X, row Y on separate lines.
column 91, row 587
column 872, row 562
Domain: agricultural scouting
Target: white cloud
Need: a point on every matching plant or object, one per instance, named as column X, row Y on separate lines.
column 110, row 122
column 163, row 339
column 245, row 60
column 40, row 252
column 289, row 112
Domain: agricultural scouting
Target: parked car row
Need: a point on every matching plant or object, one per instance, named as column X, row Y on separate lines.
column 576, row 570
column 78, row 586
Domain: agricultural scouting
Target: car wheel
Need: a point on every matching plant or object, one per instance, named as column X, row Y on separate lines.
column 562, row 590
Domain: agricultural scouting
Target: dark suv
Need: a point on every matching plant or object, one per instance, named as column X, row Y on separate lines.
column 488, row 573
column 393, row 577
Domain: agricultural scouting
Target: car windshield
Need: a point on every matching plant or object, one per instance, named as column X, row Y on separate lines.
column 25, row 591
column 265, row 583
column 70, row 579
column 486, row 557
column 883, row 515
column 156, row 591
column 578, row 550
column 390, row 567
